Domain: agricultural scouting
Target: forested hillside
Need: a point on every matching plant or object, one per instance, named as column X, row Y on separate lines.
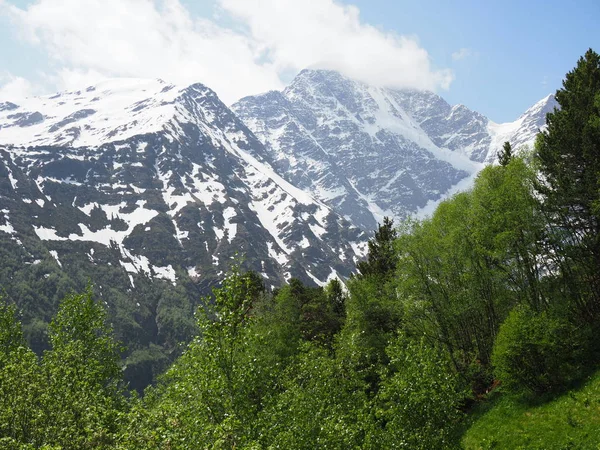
column 494, row 299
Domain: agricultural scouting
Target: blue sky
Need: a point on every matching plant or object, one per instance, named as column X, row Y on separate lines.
column 522, row 49
column 496, row 58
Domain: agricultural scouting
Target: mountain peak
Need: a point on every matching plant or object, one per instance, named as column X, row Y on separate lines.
column 542, row 107
column 111, row 110
column 369, row 151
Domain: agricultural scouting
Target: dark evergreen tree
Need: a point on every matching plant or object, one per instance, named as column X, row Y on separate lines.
column 254, row 284
column 337, row 297
column 382, row 258
column 505, row 155
column 569, row 158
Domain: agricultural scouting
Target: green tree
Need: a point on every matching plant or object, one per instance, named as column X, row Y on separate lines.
column 209, row 398
column 321, row 405
column 11, row 333
column 568, row 153
column 83, row 393
column 337, row 298
column 381, row 259
column 461, row 271
column 374, row 315
column 21, row 384
column 508, row 231
column 421, row 397
column 72, row 398
column 505, row 155
column 540, row 352
column 373, row 312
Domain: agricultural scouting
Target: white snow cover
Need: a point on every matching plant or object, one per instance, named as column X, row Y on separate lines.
column 193, row 272
column 7, row 228
column 111, row 111
column 167, row 273
column 105, row 236
column 281, row 258
column 54, row 254
column 523, row 130
column 231, row 228
column 13, row 181
column 390, row 116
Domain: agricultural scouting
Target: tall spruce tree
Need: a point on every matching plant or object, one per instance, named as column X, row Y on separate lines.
column 569, row 158
column 382, row 258
column 505, row 155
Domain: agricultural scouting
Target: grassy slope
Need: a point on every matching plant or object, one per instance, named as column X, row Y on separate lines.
column 571, row 421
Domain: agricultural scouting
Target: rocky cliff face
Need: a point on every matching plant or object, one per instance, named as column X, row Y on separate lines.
column 171, row 178
column 369, row 152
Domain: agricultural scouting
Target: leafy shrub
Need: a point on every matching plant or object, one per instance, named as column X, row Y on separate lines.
column 421, row 398
column 539, row 352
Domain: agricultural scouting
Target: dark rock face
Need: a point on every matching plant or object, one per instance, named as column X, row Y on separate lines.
column 27, row 119
column 8, row 106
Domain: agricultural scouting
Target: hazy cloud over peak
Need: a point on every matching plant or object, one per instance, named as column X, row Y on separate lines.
column 88, row 40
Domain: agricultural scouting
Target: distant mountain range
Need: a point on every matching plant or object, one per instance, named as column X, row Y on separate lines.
column 151, row 191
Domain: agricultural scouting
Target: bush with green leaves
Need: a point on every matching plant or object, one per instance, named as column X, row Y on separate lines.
column 321, row 406
column 539, row 352
column 419, row 404
column 71, row 398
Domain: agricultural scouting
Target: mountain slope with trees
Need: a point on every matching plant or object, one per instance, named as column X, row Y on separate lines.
column 151, row 194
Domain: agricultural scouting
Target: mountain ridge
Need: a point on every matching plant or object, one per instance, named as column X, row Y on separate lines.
column 332, row 136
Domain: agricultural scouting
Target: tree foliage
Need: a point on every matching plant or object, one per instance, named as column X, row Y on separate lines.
column 72, row 397
column 568, row 154
column 540, row 352
column 505, row 155
column 381, row 258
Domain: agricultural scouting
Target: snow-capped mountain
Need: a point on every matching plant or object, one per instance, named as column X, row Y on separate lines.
column 522, row 131
column 368, row 151
column 169, row 177
column 150, row 190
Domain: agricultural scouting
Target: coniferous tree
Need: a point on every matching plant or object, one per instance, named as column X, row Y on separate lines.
column 568, row 153
column 381, row 259
column 505, row 155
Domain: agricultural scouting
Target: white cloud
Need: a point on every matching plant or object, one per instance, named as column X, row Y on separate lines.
column 462, row 54
column 13, row 88
column 298, row 34
column 92, row 39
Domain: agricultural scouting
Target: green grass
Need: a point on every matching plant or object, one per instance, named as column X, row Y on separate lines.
column 571, row 421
